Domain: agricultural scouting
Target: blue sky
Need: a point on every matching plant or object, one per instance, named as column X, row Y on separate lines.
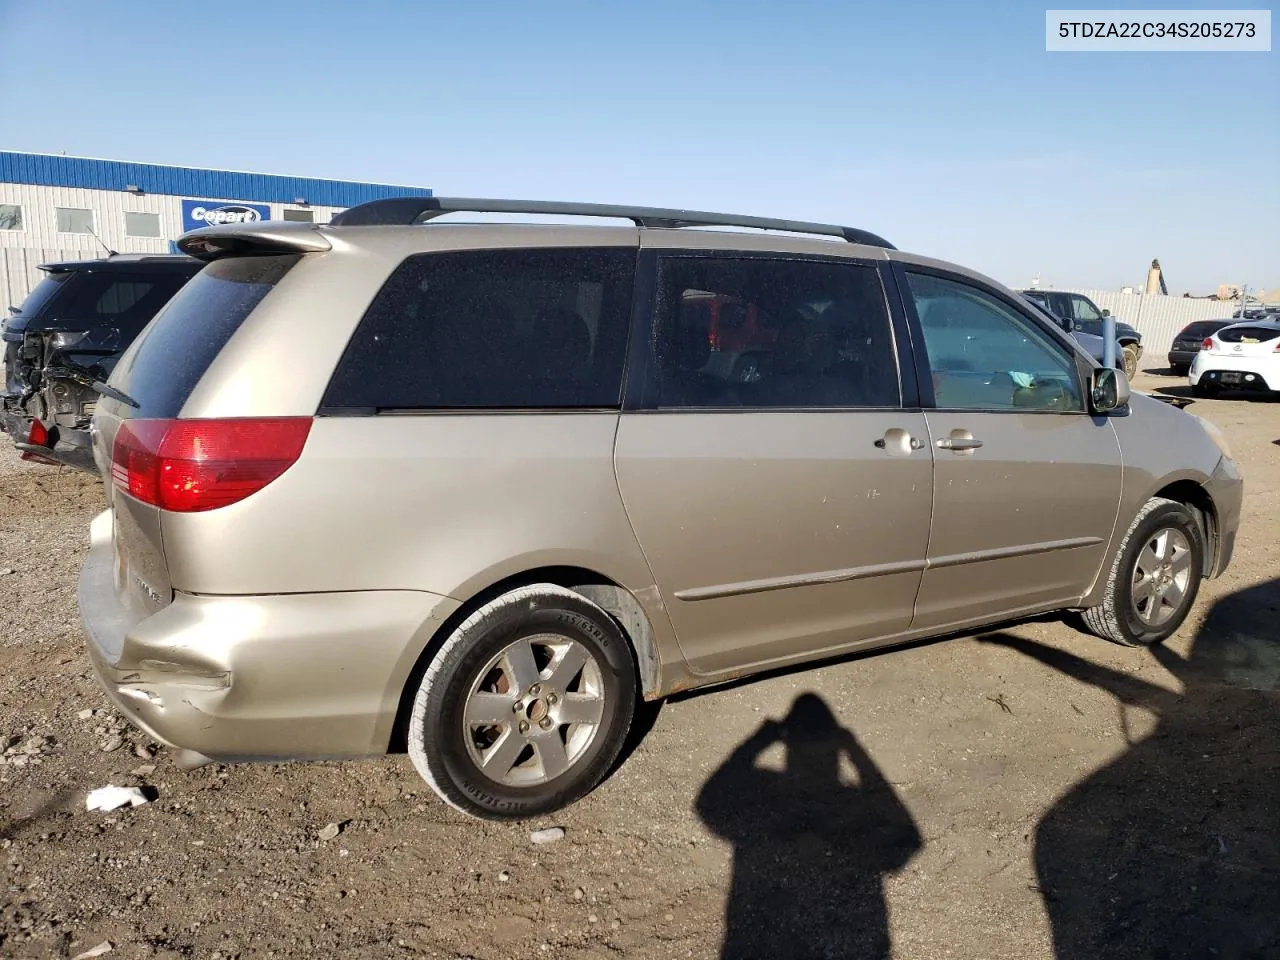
column 946, row 128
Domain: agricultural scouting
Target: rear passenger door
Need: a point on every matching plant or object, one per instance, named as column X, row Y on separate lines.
column 781, row 489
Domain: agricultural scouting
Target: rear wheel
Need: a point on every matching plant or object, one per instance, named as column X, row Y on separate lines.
column 525, row 707
column 1154, row 577
column 1205, row 390
column 1179, row 369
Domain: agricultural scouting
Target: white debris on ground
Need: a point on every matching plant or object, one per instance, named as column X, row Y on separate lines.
column 549, row 835
column 112, row 798
column 103, row 948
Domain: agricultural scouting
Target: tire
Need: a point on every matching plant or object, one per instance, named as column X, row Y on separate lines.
column 1179, row 369
column 1130, row 360
column 1205, row 390
column 515, row 660
column 1162, row 531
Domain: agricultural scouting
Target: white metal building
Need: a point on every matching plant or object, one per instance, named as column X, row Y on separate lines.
column 73, row 208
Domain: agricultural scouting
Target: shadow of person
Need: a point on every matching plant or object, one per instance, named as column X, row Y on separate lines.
column 810, row 848
column 1173, row 849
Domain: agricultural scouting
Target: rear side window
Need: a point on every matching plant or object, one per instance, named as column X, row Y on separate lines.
column 43, row 293
column 493, row 329
column 763, row 333
column 163, row 366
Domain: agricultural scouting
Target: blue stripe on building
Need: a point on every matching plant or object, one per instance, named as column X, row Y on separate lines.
column 40, row 169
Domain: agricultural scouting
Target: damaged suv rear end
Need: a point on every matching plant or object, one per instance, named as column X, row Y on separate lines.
column 66, row 337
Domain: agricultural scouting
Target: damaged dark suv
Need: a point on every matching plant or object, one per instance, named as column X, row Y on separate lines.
column 67, row 336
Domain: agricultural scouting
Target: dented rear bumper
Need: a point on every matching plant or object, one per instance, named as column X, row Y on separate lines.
column 293, row 676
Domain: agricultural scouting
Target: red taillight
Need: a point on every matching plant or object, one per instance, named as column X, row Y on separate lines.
column 1208, row 344
column 192, row 465
column 37, row 436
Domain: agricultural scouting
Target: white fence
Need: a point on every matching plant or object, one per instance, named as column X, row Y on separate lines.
column 1158, row 318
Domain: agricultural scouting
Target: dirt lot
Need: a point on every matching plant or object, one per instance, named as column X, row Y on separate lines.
column 1029, row 793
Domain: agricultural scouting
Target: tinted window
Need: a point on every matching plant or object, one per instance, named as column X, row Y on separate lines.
column 1202, row 328
column 1243, row 333
column 301, row 216
column 985, row 355
column 493, row 329
column 42, row 294
column 754, row 332
column 166, row 362
column 125, row 301
column 10, row 216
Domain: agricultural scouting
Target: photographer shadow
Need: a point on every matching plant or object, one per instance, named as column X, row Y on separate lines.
column 811, row 850
column 1173, row 849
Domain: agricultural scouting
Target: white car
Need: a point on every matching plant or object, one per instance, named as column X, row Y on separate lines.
column 1243, row 356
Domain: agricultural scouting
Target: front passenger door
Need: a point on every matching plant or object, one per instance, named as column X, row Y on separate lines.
column 1026, row 481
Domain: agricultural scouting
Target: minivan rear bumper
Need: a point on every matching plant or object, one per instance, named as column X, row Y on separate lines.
column 303, row 676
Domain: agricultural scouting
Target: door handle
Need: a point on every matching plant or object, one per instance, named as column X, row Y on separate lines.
column 898, row 442
column 959, row 443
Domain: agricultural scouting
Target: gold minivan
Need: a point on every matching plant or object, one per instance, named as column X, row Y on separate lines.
column 474, row 489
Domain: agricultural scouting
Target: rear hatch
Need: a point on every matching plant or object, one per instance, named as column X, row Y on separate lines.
column 1245, row 340
column 149, row 387
column 1194, row 334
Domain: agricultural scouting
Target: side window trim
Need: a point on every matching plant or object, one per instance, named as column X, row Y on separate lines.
column 924, row 374
column 640, row 393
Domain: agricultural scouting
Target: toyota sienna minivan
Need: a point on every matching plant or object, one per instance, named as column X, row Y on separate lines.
column 473, row 490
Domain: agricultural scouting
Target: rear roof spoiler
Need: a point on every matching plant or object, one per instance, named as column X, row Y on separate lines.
column 253, row 239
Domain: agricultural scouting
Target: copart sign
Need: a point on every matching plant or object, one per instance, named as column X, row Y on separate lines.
column 216, row 213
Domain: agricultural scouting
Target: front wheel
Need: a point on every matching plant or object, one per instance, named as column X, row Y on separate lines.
column 525, row 707
column 1154, row 578
column 1130, row 360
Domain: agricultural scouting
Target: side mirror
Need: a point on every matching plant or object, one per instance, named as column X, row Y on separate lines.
column 1106, row 312
column 1067, row 324
column 1108, row 389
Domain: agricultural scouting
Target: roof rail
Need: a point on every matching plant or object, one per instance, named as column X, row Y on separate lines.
column 406, row 211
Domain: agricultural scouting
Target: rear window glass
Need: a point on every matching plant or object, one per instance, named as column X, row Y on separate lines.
column 1248, row 334
column 1202, row 328
column 125, row 301
column 493, row 329
column 163, row 366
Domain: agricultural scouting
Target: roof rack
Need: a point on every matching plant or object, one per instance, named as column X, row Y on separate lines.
column 406, row 211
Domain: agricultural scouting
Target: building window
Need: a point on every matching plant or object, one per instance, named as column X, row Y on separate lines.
column 10, row 216
column 74, row 220
column 302, row 216
column 142, row 224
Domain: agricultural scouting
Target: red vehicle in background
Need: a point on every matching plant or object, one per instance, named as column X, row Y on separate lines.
column 740, row 334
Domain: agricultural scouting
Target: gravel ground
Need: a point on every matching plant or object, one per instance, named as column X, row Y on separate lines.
column 1031, row 792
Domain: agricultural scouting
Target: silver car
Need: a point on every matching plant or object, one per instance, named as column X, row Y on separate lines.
column 473, row 490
